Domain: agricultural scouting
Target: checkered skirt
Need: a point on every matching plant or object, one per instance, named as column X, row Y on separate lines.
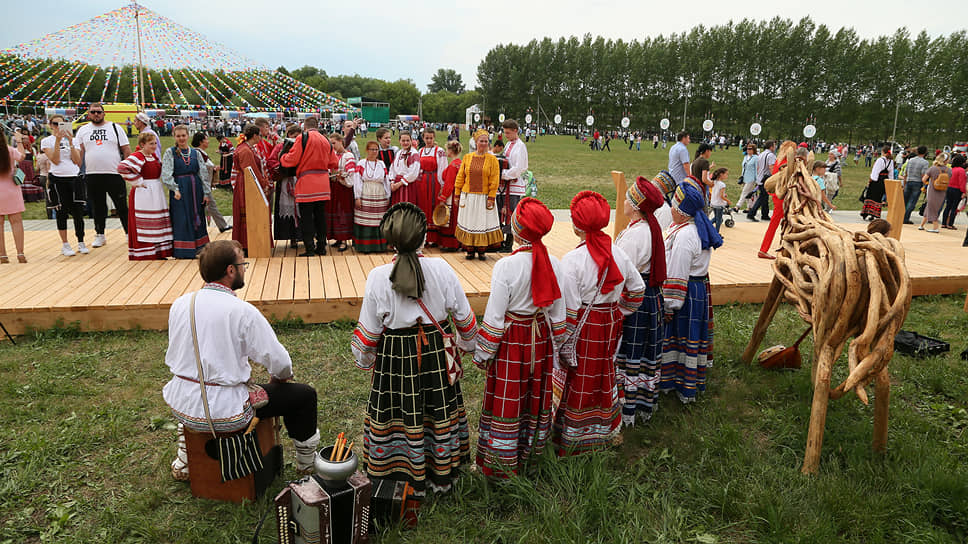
column 516, row 415
column 637, row 362
column 416, row 426
column 588, row 417
column 689, row 343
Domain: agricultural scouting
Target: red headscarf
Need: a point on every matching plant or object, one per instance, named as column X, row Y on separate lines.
column 531, row 221
column 590, row 214
column 647, row 198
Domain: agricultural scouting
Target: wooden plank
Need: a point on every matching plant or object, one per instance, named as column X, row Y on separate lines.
column 347, row 288
column 270, row 289
column 287, row 278
column 92, row 285
column 358, row 273
column 156, row 294
column 330, row 284
column 137, row 285
column 35, row 282
column 255, row 278
column 183, row 283
column 257, row 218
column 120, row 277
column 301, row 279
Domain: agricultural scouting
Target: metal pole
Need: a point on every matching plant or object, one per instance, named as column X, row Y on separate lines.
column 684, row 108
column 537, row 126
column 141, row 84
column 897, row 108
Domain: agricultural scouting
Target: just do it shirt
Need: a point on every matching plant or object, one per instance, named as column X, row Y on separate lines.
column 101, row 147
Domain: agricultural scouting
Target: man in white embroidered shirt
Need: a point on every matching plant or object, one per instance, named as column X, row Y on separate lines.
column 230, row 332
column 517, row 156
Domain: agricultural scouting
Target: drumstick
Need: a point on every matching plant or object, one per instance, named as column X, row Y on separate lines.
column 339, row 449
column 349, row 450
column 332, row 454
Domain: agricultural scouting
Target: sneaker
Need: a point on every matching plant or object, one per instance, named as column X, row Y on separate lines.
column 67, row 251
column 99, row 241
column 82, row 249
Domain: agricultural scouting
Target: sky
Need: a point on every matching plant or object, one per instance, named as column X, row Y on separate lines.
column 390, row 42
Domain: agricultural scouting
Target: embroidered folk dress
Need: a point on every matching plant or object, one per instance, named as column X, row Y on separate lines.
column 405, row 168
column 516, row 347
column 639, row 355
column 588, row 417
column 416, row 425
column 149, row 225
column 433, row 162
column 247, row 156
column 372, row 188
column 688, row 348
column 187, row 175
column 477, row 180
column 339, row 214
column 226, row 364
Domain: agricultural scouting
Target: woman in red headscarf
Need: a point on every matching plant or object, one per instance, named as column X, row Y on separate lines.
column 523, row 327
column 640, row 353
column 600, row 286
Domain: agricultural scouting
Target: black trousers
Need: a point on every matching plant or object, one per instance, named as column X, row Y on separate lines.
column 101, row 186
column 762, row 203
column 312, row 222
column 296, row 404
column 951, row 199
column 65, row 193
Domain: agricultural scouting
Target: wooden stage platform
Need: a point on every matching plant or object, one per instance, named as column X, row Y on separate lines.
column 106, row 291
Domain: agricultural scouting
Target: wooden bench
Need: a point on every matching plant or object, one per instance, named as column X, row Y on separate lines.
column 205, row 475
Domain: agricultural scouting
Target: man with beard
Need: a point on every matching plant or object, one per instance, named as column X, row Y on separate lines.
column 230, row 333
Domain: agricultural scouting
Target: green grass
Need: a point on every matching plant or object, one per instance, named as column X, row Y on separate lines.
column 563, row 167
column 86, row 441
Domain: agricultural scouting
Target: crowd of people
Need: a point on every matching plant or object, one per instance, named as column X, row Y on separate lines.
column 571, row 349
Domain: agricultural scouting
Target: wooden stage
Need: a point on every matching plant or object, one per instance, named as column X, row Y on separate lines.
column 106, row 291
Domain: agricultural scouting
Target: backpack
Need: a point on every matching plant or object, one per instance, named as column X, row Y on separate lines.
column 531, row 188
column 941, row 182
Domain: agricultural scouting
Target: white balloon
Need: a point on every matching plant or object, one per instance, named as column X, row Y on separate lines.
column 500, row 118
column 707, row 125
column 557, row 118
column 625, row 122
column 527, row 118
column 590, row 120
column 755, row 129
column 809, row 131
column 664, row 124
column 477, row 118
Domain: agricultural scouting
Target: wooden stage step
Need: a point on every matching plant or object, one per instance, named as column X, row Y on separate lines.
column 106, row 291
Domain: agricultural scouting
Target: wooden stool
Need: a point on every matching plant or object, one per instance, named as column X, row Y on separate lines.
column 205, row 474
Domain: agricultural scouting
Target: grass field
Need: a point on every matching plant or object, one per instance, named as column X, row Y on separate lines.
column 86, row 441
column 563, row 167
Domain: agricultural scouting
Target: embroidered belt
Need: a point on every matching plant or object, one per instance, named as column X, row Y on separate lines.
column 308, row 172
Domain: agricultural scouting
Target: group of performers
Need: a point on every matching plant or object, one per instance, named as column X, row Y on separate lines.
column 466, row 201
column 571, row 349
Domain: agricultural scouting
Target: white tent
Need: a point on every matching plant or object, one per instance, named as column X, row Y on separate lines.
column 469, row 115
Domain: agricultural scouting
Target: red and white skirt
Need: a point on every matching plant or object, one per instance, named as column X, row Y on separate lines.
column 516, row 415
column 589, row 417
column 149, row 223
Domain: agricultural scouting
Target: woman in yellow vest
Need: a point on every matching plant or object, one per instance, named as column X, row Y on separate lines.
column 478, row 225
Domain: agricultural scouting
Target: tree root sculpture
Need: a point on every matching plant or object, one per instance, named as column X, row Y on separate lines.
column 844, row 284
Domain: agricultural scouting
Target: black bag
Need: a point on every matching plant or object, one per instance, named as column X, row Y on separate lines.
column 239, row 454
column 916, row 345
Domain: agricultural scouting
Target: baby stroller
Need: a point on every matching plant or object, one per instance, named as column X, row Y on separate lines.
column 727, row 215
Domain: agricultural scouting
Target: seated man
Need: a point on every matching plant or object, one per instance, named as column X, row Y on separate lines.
column 231, row 332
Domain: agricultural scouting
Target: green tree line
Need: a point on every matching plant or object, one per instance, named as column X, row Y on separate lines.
column 781, row 73
column 446, row 104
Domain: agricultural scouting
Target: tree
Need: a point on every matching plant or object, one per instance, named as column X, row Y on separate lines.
column 402, row 95
column 446, row 79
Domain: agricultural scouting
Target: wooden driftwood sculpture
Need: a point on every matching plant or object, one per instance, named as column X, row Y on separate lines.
column 844, row 284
